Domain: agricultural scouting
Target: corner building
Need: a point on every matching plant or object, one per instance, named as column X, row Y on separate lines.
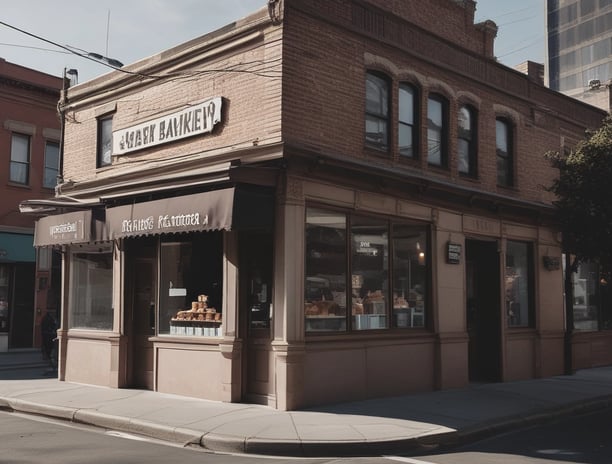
column 356, row 191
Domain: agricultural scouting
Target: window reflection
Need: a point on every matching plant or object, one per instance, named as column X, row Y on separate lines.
column 519, row 272
column 409, row 275
column 380, row 271
column 91, row 305
column 369, row 276
column 325, row 297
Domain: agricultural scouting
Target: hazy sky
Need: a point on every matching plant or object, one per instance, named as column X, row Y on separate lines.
column 129, row 30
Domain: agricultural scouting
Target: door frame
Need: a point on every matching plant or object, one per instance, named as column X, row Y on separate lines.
column 139, row 251
column 484, row 287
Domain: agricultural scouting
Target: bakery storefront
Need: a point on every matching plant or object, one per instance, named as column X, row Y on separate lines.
column 151, row 293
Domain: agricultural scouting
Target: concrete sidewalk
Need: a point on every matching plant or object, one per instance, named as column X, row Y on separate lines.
column 381, row 426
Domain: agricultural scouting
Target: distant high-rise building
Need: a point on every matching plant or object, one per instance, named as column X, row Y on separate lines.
column 579, row 43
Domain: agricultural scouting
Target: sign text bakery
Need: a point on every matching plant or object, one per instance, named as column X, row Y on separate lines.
column 199, row 118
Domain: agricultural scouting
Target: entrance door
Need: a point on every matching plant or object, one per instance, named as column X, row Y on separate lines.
column 256, row 297
column 142, row 318
column 483, row 310
column 22, row 306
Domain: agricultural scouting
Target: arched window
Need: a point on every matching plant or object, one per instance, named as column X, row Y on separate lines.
column 377, row 111
column 437, row 130
column 408, row 121
column 467, row 142
column 504, row 140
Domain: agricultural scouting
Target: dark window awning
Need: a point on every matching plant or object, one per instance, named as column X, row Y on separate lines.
column 69, row 228
column 225, row 209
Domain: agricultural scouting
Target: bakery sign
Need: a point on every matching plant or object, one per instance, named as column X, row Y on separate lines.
column 199, row 118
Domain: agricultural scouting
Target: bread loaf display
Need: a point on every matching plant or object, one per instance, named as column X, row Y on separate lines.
column 199, row 312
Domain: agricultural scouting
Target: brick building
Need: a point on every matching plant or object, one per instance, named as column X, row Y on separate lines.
column 356, row 191
column 29, row 141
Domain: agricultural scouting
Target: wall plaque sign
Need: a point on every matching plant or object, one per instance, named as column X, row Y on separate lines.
column 453, row 253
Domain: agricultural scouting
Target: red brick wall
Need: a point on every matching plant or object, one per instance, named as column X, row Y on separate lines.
column 326, row 57
column 22, row 99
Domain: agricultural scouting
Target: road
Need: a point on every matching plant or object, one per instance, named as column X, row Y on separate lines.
column 27, row 439
column 583, row 439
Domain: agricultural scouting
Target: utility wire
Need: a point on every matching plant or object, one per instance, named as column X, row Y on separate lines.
column 82, row 55
column 178, row 75
column 4, row 44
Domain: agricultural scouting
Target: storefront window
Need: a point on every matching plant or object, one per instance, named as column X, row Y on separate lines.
column 191, row 285
column 519, row 276
column 409, row 275
column 586, row 296
column 381, row 259
column 369, row 276
column 325, row 296
column 91, row 305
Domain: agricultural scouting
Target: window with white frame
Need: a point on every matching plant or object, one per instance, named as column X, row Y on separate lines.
column 51, row 164
column 20, row 159
column 105, row 141
column 408, row 127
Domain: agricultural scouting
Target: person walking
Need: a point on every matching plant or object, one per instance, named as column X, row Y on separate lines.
column 48, row 328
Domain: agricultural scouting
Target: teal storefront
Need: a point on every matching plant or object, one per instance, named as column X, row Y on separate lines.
column 17, row 278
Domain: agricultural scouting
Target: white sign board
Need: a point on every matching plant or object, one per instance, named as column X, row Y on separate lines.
column 199, row 118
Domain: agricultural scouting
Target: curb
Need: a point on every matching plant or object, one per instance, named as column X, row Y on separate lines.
column 298, row 448
column 21, row 366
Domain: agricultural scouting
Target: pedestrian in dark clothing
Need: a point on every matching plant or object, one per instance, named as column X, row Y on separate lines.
column 48, row 328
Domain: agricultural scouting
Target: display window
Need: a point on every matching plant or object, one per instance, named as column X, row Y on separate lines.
column 592, row 298
column 379, row 269
column 191, row 285
column 91, row 275
column 519, row 284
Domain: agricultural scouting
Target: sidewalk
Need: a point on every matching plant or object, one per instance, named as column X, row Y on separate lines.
column 380, row 426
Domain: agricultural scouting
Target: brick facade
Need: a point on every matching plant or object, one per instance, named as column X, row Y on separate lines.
column 293, row 122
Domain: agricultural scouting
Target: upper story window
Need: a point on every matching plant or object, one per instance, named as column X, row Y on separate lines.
column 408, row 121
column 105, row 141
column 51, row 164
column 504, row 150
column 377, row 111
column 437, row 130
column 20, row 159
column 467, row 141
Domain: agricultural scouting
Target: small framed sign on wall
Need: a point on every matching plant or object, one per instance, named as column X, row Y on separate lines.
column 453, row 253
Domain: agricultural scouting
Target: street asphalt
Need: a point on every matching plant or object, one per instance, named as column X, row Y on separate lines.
column 378, row 426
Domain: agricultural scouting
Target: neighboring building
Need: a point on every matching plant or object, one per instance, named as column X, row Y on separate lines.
column 29, row 153
column 534, row 70
column 580, row 65
column 579, row 39
column 359, row 193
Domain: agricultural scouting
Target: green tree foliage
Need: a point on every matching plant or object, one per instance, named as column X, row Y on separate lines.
column 584, row 197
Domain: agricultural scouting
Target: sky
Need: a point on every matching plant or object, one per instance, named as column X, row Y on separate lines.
column 129, row 30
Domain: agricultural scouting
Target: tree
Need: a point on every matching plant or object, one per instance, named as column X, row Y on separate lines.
column 584, row 198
